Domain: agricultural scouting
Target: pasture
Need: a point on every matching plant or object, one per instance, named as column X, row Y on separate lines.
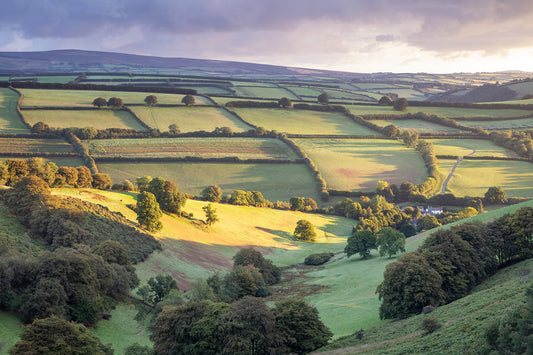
column 450, row 112
column 84, row 98
column 461, row 147
column 275, row 181
column 98, row 118
column 264, row 92
column 33, row 145
column 243, row 148
column 348, row 164
column 420, row 126
column 304, row 91
column 189, row 119
column 495, row 124
column 303, row 121
column 474, row 177
column 10, row 121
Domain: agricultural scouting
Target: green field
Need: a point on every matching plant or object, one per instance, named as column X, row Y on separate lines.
column 303, row 121
column 275, row 181
column 304, row 91
column 9, row 331
column 189, row 119
column 84, row 98
column 99, row 119
column 36, row 146
column 354, row 165
column 10, row 121
column 223, row 100
column 418, row 125
column 450, row 112
column 243, row 148
column 461, row 147
column 263, row 92
column 474, row 177
column 506, row 124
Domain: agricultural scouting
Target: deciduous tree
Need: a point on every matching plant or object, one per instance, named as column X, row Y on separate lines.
column 150, row 100
column 188, row 100
column 148, row 212
column 99, row 102
column 390, row 242
column 361, row 242
column 305, row 231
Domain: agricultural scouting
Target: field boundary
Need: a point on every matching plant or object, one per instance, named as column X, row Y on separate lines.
column 196, row 160
column 19, row 101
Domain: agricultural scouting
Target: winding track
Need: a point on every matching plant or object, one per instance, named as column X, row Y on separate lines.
column 445, row 184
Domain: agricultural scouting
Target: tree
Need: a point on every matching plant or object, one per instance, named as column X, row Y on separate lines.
column 323, row 98
column 40, row 127
column 84, row 177
column 390, row 242
column 160, row 286
column 249, row 256
column 297, row 203
column 212, row 193
column 142, row 183
column 305, row 231
column 391, row 131
column 138, row 349
column 70, row 174
column 428, row 222
column 494, row 195
column 148, row 212
column 115, row 102
column 54, row 335
column 210, row 215
column 99, row 102
column 102, row 181
column 401, row 104
column 150, row 100
column 174, row 129
column 385, row 101
column 285, row 102
column 112, row 252
column 301, row 326
column 188, row 100
column 409, row 284
column 361, row 242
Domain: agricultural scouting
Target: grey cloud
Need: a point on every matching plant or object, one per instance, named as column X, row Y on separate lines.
column 385, row 38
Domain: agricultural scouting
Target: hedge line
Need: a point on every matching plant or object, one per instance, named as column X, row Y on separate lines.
column 239, row 117
column 197, row 159
column 134, row 115
column 19, row 101
column 472, row 157
column 83, row 151
column 471, row 105
column 40, row 155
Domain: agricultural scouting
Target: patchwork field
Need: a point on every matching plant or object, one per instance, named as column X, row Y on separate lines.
column 266, row 92
column 303, row 121
column 474, row 177
column 84, row 98
column 99, row 119
column 418, row 125
column 189, row 119
column 36, row 146
column 304, row 91
column 243, row 148
column 10, row 121
column 494, row 124
column 451, row 112
column 275, row 181
column 461, row 147
column 352, row 165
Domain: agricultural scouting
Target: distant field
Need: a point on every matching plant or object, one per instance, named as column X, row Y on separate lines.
column 303, row 121
column 252, row 83
column 264, row 92
column 506, row 124
column 275, row 181
column 99, row 119
column 208, row 90
column 474, row 177
column 304, row 91
column 522, row 89
column 84, row 98
column 339, row 94
column 354, row 165
column 451, row 112
column 418, row 125
column 37, row 146
column 244, row 148
column 10, row 121
column 461, row 147
column 223, row 100
column 373, row 86
column 189, row 119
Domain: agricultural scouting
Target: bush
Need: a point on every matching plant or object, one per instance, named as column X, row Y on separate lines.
column 430, row 324
column 318, row 259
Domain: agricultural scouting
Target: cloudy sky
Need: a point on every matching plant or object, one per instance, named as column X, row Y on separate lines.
column 437, row 36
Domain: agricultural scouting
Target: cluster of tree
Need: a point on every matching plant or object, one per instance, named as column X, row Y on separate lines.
column 388, row 240
column 114, row 102
column 306, row 204
column 450, row 263
column 14, row 170
column 400, row 104
column 246, row 198
column 252, row 104
column 165, row 192
column 520, row 142
column 323, row 98
column 246, row 326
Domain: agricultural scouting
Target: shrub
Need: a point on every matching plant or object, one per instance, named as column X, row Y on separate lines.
column 430, row 324
column 318, row 259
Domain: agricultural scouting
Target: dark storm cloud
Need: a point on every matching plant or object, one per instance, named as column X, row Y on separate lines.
column 443, row 26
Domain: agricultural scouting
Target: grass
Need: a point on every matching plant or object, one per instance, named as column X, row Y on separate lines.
column 461, row 147
column 9, row 331
column 303, row 121
column 121, row 330
column 474, row 177
column 304, row 91
column 263, row 92
column 494, row 124
column 35, row 146
column 189, row 119
column 84, row 98
column 223, row 100
column 358, row 164
column 10, row 121
column 99, row 119
column 243, row 148
column 418, row 125
column 275, row 181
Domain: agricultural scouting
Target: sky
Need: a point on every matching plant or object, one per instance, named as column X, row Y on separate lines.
column 435, row 36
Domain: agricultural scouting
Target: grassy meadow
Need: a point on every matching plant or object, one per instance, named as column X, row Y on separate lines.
column 213, row 147
column 10, row 121
column 189, row 119
column 495, row 124
column 348, row 164
column 264, row 92
column 9, row 331
column 35, row 146
column 303, row 121
column 275, row 181
column 450, row 112
column 99, row 119
column 461, row 147
column 84, row 98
